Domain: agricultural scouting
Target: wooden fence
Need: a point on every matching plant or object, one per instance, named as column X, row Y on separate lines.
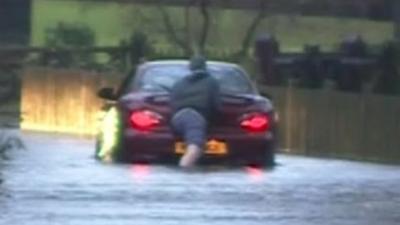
column 312, row 122
column 61, row 100
column 337, row 124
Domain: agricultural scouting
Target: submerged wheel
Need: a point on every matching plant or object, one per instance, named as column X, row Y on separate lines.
column 266, row 160
column 270, row 158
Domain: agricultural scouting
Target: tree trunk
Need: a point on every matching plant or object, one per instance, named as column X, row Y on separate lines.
column 250, row 31
column 188, row 31
column 206, row 25
column 396, row 19
column 172, row 33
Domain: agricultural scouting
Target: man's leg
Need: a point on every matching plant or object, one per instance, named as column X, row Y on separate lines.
column 191, row 156
column 195, row 136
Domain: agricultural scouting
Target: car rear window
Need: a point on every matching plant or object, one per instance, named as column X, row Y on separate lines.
column 162, row 78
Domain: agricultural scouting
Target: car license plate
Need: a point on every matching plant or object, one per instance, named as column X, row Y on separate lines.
column 213, row 147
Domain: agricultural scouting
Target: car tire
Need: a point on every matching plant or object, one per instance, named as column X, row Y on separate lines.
column 266, row 160
column 270, row 158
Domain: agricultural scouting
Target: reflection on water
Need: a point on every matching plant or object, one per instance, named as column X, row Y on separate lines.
column 140, row 172
column 255, row 174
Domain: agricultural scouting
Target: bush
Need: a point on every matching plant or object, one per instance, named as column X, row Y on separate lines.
column 65, row 36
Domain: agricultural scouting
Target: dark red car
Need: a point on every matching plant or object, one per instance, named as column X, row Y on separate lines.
column 136, row 127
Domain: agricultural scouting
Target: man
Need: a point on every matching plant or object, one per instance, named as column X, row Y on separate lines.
column 195, row 103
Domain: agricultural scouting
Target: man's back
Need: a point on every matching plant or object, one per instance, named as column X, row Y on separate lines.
column 199, row 92
column 195, row 102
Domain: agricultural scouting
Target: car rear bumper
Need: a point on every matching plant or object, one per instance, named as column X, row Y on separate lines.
column 161, row 146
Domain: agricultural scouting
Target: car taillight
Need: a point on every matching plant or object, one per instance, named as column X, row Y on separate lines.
column 255, row 123
column 145, row 120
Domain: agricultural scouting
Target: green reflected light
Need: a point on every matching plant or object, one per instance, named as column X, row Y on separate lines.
column 109, row 134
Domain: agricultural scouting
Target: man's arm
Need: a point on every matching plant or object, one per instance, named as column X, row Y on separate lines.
column 216, row 96
column 176, row 93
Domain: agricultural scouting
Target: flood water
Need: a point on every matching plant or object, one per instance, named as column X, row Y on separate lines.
column 57, row 181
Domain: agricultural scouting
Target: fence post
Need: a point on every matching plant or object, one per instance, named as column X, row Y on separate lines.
column 352, row 74
column 266, row 49
column 289, row 115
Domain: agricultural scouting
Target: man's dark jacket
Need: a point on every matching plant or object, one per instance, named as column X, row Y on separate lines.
column 199, row 91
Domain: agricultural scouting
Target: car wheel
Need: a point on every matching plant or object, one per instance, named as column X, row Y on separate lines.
column 266, row 160
column 270, row 158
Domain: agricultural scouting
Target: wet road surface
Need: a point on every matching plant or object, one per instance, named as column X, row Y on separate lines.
column 56, row 181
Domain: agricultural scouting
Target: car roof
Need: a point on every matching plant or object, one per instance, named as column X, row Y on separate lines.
column 185, row 62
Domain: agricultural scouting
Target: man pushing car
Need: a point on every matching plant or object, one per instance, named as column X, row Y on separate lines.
column 195, row 102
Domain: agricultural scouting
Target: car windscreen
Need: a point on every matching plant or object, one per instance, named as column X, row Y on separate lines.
column 161, row 78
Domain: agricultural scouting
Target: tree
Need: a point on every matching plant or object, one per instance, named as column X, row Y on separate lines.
column 396, row 18
column 204, row 9
column 183, row 37
column 182, row 41
column 262, row 13
column 185, row 40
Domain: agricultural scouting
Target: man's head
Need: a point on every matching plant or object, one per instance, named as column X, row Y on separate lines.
column 198, row 63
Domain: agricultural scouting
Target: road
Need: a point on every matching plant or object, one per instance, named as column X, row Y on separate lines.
column 56, row 181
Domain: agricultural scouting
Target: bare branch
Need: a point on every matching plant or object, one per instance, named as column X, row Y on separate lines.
column 187, row 28
column 171, row 31
column 204, row 7
column 262, row 13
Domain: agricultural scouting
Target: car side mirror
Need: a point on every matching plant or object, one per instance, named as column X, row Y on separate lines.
column 107, row 93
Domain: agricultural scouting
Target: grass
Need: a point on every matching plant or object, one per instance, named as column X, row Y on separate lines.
column 114, row 22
